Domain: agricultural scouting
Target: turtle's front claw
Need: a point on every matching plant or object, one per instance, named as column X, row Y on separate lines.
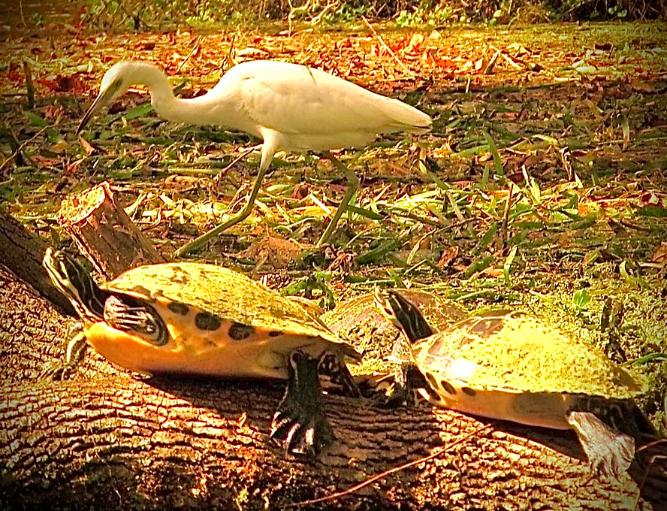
column 609, row 451
column 400, row 388
column 56, row 371
column 337, row 373
column 299, row 423
column 397, row 396
column 61, row 370
column 301, row 435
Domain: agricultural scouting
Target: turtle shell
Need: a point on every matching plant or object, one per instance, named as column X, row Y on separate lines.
column 519, row 353
column 359, row 322
column 221, row 292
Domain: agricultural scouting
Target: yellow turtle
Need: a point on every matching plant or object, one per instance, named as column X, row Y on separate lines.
column 513, row 366
column 361, row 324
column 201, row 319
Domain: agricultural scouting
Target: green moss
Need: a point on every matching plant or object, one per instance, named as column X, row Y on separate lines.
column 521, row 352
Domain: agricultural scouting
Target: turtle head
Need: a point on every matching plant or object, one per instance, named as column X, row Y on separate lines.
column 403, row 314
column 76, row 283
column 137, row 318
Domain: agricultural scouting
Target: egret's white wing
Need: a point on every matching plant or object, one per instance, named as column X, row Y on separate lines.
column 301, row 101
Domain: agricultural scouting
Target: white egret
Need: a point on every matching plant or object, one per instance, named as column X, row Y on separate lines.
column 289, row 106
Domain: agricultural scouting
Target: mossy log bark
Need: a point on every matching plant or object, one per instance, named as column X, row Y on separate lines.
column 23, row 252
column 107, row 439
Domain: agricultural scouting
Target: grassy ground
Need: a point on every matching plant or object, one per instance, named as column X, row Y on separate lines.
column 542, row 184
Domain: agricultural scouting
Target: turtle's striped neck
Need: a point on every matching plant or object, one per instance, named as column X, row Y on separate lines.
column 76, row 283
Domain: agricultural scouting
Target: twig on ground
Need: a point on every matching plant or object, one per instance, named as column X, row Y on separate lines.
column 20, row 148
column 393, row 470
column 386, row 47
column 492, row 62
column 192, row 52
column 506, row 214
column 29, row 87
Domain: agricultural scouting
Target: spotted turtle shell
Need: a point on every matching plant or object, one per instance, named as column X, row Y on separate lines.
column 520, row 353
column 223, row 293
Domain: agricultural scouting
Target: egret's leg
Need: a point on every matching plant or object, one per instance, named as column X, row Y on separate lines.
column 197, row 243
column 353, row 185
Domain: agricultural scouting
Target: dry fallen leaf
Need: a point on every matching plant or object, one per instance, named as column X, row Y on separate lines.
column 448, row 255
column 660, row 254
column 88, row 148
column 492, row 272
column 272, row 250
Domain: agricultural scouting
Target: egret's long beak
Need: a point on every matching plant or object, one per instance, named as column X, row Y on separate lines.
column 102, row 99
column 99, row 102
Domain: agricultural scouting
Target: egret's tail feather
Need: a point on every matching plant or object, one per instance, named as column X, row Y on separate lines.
column 407, row 117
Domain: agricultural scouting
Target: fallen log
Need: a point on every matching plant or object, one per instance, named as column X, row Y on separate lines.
column 108, row 439
column 22, row 252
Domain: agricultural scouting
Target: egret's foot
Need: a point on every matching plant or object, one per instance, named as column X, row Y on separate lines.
column 201, row 241
column 609, row 451
column 317, row 257
column 299, row 424
column 327, row 256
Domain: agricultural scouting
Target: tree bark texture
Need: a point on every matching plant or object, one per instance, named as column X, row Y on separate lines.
column 23, row 253
column 108, row 439
column 33, row 334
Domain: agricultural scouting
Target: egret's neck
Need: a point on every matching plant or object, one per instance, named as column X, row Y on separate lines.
column 168, row 106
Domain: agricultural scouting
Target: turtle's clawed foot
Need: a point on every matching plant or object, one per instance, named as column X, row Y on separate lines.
column 397, row 396
column 609, row 452
column 299, row 423
column 400, row 389
column 60, row 370
column 299, row 435
column 338, row 374
column 372, row 386
column 56, row 371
